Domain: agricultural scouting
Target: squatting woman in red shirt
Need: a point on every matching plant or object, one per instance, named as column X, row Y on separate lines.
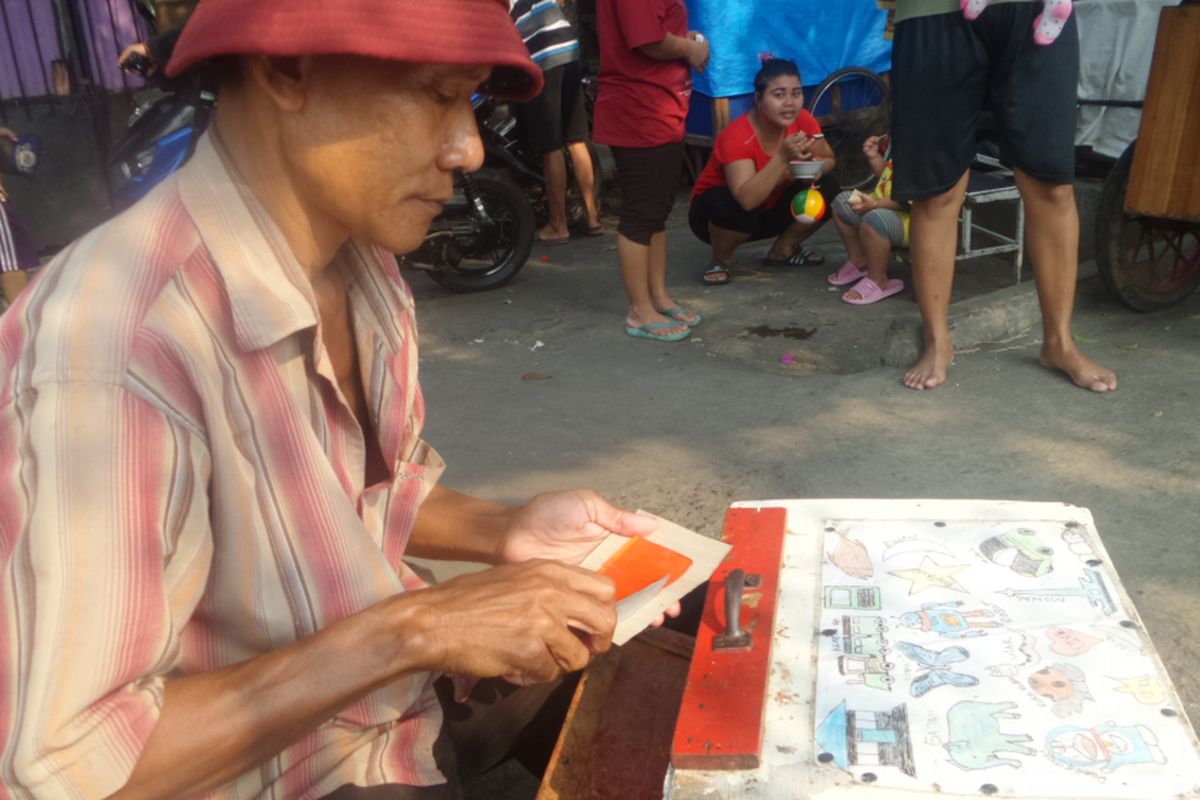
column 744, row 192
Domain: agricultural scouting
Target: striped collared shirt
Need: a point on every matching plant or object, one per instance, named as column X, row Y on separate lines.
column 181, row 488
column 549, row 37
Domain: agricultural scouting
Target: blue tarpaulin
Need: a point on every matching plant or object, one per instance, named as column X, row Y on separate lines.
column 822, row 36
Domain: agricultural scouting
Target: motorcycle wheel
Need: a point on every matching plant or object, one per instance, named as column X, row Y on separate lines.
column 488, row 264
column 1149, row 263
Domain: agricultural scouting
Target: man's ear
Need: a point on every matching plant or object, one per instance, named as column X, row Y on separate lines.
column 285, row 79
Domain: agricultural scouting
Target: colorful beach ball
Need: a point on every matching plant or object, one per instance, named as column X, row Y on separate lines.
column 808, row 205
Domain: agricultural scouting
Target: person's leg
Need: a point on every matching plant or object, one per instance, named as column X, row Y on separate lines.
column 554, row 169
column 934, row 241
column 585, row 178
column 575, row 134
column 878, row 251
column 724, row 243
column 847, row 223
column 638, row 170
column 1052, row 236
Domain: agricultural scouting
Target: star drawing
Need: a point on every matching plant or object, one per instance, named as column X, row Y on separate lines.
column 931, row 575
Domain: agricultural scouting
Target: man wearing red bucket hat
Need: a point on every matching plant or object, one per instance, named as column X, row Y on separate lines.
column 211, row 463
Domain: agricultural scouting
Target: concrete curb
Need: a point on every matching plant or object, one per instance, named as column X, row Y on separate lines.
column 993, row 317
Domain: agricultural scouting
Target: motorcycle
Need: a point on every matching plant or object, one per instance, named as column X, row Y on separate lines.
column 484, row 236
column 161, row 138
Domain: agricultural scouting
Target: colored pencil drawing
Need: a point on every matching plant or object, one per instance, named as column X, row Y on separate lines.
column 931, row 575
column 975, row 740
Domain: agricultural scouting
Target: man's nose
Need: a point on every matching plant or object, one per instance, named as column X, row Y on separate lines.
column 462, row 148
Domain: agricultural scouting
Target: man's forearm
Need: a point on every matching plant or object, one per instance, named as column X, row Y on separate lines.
column 454, row 526
column 215, row 726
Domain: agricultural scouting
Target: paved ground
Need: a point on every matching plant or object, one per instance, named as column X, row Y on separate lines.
column 536, row 387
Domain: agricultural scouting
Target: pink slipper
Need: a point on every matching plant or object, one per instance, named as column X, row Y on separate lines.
column 869, row 292
column 848, row 273
column 973, row 8
column 1051, row 21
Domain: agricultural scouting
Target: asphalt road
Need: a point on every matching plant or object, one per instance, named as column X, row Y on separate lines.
column 536, row 387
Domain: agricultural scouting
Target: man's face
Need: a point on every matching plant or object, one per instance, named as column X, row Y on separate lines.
column 375, row 145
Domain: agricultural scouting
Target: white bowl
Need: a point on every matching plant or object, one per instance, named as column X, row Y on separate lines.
column 805, row 170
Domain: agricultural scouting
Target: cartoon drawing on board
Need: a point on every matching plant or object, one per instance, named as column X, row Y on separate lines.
column 907, row 547
column 1091, row 588
column 1020, row 550
column 1146, row 689
column 1108, row 746
column 861, row 636
column 931, row 575
column 867, row 738
column 1076, row 540
column 851, row 557
column 871, row 671
column 859, row 598
column 975, row 739
column 947, row 620
column 1065, row 685
column 1025, row 652
column 1068, row 642
column 936, row 664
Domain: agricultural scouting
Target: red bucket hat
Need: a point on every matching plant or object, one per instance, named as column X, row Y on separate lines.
column 422, row 31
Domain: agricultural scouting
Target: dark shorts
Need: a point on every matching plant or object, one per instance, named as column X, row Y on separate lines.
column 946, row 70
column 556, row 117
column 17, row 250
column 719, row 207
column 648, row 177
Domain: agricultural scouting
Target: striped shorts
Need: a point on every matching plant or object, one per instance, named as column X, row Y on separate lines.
column 886, row 222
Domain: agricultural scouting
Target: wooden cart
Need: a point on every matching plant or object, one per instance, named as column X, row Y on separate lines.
column 1148, row 221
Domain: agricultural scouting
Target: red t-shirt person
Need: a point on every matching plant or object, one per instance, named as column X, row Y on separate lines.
column 643, row 102
column 739, row 142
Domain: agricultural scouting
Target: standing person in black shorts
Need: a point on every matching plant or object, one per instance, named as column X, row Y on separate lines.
column 556, row 117
column 945, row 68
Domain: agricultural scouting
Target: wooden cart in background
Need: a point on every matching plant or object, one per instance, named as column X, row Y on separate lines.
column 1148, row 222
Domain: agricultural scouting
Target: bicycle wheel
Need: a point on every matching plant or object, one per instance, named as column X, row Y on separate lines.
column 851, row 104
column 1147, row 262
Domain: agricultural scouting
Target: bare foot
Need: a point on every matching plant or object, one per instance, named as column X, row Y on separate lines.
column 930, row 371
column 1079, row 368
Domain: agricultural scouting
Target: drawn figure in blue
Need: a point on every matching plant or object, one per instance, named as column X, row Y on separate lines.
column 975, row 738
column 1106, row 746
column 946, row 620
column 937, row 665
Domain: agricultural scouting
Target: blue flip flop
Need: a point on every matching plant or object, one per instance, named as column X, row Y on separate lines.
column 651, row 331
column 680, row 314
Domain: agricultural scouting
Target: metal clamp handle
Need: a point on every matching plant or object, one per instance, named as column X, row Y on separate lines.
column 734, row 638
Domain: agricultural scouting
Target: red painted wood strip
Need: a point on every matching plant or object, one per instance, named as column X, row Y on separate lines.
column 720, row 723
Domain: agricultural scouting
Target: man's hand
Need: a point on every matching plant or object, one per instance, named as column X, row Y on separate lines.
column 5, row 133
column 699, row 52
column 530, row 622
column 566, row 526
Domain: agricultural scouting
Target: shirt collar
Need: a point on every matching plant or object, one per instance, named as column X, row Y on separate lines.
column 269, row 296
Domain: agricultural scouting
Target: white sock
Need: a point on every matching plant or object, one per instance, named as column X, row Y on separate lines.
column 973, row 8
column 1051, row 21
